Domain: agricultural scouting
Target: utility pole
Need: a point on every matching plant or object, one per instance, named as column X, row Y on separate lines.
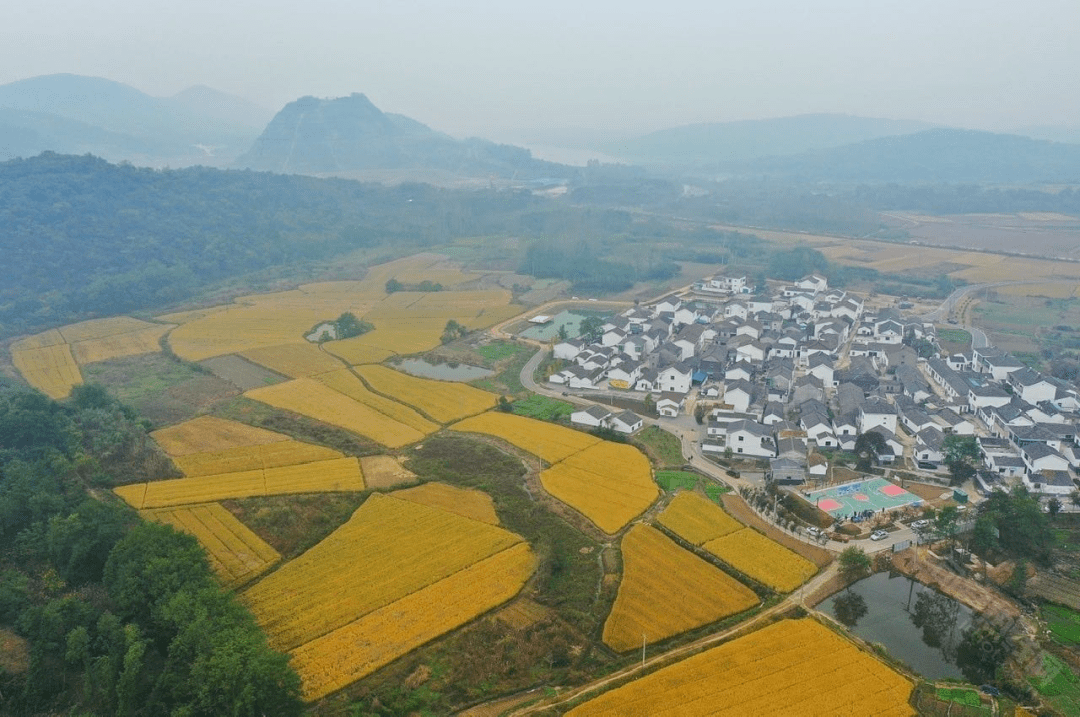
column 643, row 650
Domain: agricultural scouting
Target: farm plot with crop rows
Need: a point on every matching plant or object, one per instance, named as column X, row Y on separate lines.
column 388, row 549
column 310, row 398
column 466, row 502
column 209, row 434
column 545, row 440
column 50, row 369
column 236, row 553
column 666, row 590
column 358, row 648
column 346, row 383
column 339, row 474
column 246, row 458
column 764, row 560
column 294, row 360
column 444, row 401
column 609, row 483
column 793, row 667
column 697, row 520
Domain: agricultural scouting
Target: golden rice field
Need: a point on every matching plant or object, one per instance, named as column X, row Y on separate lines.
column 545, row 440
column 50, row 369
column 697, row 519
column 311, row 398
column 764, row 560
column 358, row 648
column 384, row 472
column 1062, row 290
column 609, row 483
column 353, row 352
column 404, row 322
column 466, row 502
column 339, row 474
column 444, row 401
column 345, row 382
column 293, row 360
column 792, row 667
column 209, row 434
column 246, row 458
column 390, row 548
column 144, row 340
column 666, row 590
column 236, row 553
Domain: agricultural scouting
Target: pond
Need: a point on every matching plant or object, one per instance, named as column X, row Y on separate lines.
column 570, row 319
column 917, row 625
column 443, row 371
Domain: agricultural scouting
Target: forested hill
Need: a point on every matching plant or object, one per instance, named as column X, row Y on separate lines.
column 320, row 136
column 80, row 237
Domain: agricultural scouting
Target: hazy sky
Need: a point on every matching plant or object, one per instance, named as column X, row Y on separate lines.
column 478, row 66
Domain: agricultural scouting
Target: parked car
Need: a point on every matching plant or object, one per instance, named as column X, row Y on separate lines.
column 814, row 532
column 990, row 690
column 878, row 535
column 921, row 524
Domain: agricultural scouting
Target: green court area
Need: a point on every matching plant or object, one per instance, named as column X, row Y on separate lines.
column 685, row 480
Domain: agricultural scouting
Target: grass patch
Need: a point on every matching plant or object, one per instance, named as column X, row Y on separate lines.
column 507, row 379
column 1064, row 624
column 293, row 523
column 954, row 341
column 662, row 447
column 543, row 408
column 1058, row 685
column 959, row 695
column 499, row 350
column 713, row 491
column 677, row 480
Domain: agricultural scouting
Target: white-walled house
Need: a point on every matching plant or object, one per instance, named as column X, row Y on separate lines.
column 593, row 416
column 626, row 422
column 674, row 378
column 670, row 404
column 877, row 412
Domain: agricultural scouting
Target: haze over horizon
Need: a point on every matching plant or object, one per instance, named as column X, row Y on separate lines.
column 491, row 70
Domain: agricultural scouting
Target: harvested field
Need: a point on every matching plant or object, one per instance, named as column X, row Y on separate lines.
column 236, row 554
column 359, row 648
column 207, row 434
column 764, row 560
column 346, row 383
column 385, row 472
column 293, row 360
column 696, row 519
column 339, row 474
column 241, row 373
column 405, row 547
column 466, row 502
column 246, row 458
column 310, row 398
column 444, row 401
column 793, row 667
column 545, row 440
column 609, row 483
column 666, row 590
column 738, row 509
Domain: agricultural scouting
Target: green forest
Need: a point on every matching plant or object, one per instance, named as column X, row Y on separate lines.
column 120, row 616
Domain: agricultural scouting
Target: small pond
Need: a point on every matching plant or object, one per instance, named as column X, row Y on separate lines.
column 444, row 371
column 917, row 625
column 570, row 319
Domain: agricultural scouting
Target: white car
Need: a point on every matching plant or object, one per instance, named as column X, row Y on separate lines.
column 878, row 535
column 814, row 532
column 920, row 524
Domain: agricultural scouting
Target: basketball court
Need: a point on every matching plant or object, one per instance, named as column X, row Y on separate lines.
column 848, row 499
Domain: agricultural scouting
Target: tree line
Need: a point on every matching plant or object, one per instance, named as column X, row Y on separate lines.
column 121, row 616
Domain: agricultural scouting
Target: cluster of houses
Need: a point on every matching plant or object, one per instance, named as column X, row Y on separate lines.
column 802, row 369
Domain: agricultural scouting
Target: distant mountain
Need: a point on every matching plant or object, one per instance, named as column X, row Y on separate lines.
column 328, row 136
column 936, row 155
column 712, row 143
column 1053, row 133
column 73, row 113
